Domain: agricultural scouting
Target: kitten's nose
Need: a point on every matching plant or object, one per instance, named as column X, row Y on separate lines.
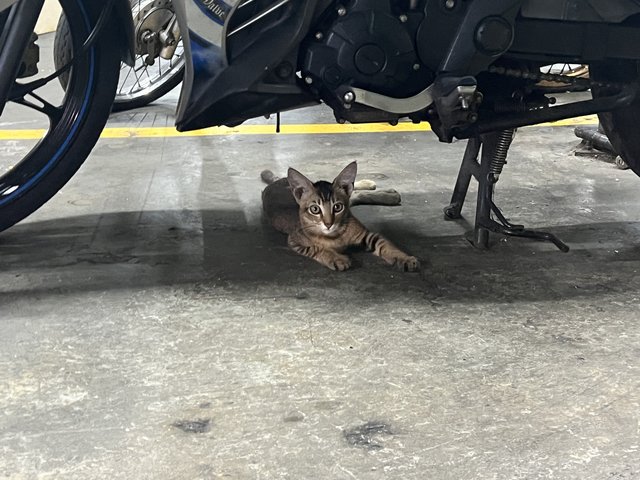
column 328, row 225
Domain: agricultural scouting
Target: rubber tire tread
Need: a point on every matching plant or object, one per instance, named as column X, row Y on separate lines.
column 621, row 126
column 62, row 49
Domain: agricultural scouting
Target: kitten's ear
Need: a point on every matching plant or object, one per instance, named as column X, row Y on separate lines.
column 346, row 178
column 299, row 184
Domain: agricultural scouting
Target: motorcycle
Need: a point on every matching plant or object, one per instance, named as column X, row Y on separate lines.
column 471, row 68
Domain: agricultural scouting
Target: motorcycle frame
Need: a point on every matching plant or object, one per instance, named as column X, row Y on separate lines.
column 219, row 92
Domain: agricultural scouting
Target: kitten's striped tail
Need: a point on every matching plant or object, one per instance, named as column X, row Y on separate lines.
column 268, row 177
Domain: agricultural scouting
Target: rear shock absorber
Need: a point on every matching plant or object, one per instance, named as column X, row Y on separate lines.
column 499, row 159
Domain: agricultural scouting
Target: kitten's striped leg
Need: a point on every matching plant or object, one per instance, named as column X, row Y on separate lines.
column 383, row 248
column 328, row 258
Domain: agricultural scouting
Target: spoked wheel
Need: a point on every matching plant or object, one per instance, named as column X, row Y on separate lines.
column 567, row 69
column 159, row 62
column 564, row 69
column 62, row 127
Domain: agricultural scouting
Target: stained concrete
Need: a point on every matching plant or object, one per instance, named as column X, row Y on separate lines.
column 153, row 328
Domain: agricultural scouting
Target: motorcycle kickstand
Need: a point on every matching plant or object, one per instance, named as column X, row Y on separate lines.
column 492, row 149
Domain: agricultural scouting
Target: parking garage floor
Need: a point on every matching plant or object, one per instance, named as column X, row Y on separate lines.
column 154, row 328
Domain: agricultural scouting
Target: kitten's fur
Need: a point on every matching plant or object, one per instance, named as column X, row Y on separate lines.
column 317, row 219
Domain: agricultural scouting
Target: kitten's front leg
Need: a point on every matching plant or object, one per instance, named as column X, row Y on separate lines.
column 383, row 248
column 329, row 258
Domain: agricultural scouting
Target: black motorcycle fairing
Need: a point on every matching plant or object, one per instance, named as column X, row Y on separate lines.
column 533, row 38
column 583, row 42
column 123, row 21
column 581, row 10
column 481, row 22
column 251, row 75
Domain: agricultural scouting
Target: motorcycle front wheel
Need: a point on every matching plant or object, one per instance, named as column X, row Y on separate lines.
column 63, row 126
column 621, row 126
column 152, row 76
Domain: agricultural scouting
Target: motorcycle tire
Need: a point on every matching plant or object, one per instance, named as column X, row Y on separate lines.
column 621, row 126
column 123, row 101
column 75, row 126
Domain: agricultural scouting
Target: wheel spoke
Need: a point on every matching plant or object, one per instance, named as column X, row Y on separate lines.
column 146, row 71
column 137, row 78
column 124, row 82
column 142, row 79
column 41, row 105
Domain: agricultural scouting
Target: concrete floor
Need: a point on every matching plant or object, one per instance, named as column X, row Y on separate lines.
column 152, row 328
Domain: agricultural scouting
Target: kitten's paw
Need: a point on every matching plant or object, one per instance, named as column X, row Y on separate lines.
column 340, row 263
column 408, row 264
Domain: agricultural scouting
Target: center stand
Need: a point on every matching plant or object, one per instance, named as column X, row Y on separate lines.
column 494, row 147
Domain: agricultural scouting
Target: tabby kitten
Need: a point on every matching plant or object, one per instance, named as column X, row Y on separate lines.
column 317, row 219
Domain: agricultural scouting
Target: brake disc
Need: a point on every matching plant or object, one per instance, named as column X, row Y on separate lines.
column 150, row 21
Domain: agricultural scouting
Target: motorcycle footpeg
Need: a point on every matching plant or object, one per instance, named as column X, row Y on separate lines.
column 456, row 100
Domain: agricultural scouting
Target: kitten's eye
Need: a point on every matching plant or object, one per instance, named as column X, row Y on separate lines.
column 338, row 207
column 314, row 210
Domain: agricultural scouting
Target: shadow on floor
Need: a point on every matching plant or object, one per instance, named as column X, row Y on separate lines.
column 215, row 251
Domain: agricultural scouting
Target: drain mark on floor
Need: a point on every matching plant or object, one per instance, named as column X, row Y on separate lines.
column 369, row 436
column 193, row 426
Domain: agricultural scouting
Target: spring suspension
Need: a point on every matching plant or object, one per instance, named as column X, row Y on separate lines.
column 499, row 159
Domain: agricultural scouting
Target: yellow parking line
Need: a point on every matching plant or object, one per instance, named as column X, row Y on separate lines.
column 290, row 129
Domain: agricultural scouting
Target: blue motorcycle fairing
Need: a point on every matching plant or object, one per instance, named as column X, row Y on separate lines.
column 223, row 89
column 613, row 11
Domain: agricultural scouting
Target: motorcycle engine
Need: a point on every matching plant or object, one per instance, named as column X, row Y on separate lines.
column 368, row 44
